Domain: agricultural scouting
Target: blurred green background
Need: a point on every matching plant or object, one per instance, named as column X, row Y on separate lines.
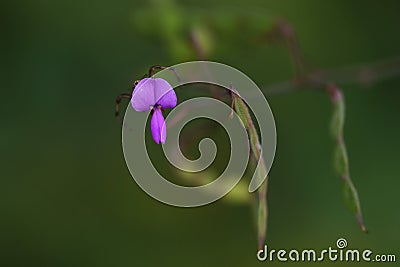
column 67, row 198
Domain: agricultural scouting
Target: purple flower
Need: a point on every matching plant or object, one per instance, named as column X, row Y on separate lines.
column 154, row 94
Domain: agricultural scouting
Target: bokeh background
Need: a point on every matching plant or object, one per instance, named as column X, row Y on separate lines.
column 67, row 198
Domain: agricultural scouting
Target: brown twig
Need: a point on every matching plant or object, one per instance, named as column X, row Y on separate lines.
column 362, row 75
column 283, row 32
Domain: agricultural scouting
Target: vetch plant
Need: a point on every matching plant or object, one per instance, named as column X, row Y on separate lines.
column 208, row 75
column 197, row 39
column 154, row 94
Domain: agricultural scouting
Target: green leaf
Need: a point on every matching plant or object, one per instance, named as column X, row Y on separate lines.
column 262, row 211
column 337, row 121
column 340, row 158
column 341, row 161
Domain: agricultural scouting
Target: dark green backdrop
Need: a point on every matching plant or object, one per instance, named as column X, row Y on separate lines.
column 67, row 198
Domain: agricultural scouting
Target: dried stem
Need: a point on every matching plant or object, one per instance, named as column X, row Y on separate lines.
column 363, row 75
column 283, row 32
column 317, row 79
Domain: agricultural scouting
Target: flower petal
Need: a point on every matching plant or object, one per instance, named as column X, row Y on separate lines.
column 164, row 94
column 158, row 128
column 151, row 91
column 143, row 95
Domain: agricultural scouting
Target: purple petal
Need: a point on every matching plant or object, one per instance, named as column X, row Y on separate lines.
column 164, row 94
column 158, row 129
column 143, row 95
column 151, row 91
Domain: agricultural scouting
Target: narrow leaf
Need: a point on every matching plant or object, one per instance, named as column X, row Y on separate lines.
column 341, row 161
column 262, row 210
